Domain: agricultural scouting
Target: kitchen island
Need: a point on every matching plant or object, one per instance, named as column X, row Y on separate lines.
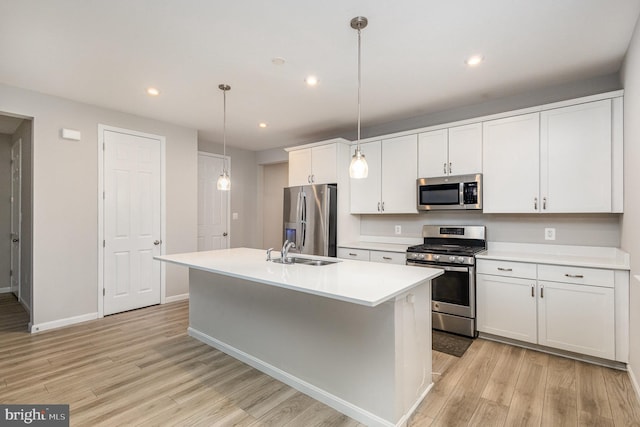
column 354, row 335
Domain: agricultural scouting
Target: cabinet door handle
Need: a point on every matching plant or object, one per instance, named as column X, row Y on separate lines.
column 533, row 291
column 535, row 203
column 450, row 168
column 575, row 276
column 444, row 167
column 382, row 206
column 544, row 203
column 541, row 291
column 378, row 206
column 313, row 178
column 504, row 269
column 388, row 258
column 352, row 254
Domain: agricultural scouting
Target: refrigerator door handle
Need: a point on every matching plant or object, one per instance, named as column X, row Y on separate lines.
column 303, row 221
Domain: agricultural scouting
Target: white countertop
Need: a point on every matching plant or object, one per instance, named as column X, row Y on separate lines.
column 368, row 284
column 579, row 256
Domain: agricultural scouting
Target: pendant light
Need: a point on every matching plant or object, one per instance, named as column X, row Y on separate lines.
column 358, row 168
column 224, row 181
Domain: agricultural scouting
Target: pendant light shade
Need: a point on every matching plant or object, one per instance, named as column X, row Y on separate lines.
column 358, row 168
column 224, row 181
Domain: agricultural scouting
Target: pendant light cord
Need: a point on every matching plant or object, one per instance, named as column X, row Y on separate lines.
column 359, row 85
column 224, row 129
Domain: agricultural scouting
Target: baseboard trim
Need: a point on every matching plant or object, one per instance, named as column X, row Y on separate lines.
column 5, row 290
column 176, row 298
column 634, row 382
column 317, row 393
column 40, row 327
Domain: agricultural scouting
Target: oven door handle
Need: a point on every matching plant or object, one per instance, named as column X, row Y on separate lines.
column 456, row 269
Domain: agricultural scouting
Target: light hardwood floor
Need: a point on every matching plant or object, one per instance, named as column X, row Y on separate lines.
column 141, row 368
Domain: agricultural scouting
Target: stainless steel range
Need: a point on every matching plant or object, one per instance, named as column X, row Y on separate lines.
column 453, row 249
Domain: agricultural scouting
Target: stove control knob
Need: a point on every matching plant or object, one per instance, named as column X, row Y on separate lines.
column 421, row 256
column 452, row 258
column 460, row 259
column 436, row 257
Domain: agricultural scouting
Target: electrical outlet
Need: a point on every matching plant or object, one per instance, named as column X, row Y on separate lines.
column 549, row 234
column 398, row 229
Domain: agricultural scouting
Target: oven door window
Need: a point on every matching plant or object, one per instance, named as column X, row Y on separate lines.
column 452, row 287
column 443, row 194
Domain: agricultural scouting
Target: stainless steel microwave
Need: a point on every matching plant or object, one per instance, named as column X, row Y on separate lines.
column 450, row 192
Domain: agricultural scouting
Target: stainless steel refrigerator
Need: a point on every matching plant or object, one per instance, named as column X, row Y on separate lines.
column 310, row 218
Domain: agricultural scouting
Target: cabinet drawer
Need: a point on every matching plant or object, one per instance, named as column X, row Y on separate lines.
column 350, row 253
column 578, row 275
column 388, row 257
column 506, row 268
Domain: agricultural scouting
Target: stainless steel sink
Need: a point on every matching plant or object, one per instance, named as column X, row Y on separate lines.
column 305, row 261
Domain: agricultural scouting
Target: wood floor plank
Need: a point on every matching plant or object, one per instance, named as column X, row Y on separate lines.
column 528, row 397
column 625, row 407
column 502, row 381
column 286, row 410
column 561, row 398
column 464, row 399
column 489, row 414
column 593, row 402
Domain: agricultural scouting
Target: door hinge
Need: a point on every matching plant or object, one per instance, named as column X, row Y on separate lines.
column 104, row 243
column 103, row 195
column 10, row 273
column 103, row 146
column 104, row 292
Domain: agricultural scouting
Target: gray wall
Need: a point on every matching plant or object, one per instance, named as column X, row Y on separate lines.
column 5, row 210
column 245, row 231
column 65, row 194
column 631, row 218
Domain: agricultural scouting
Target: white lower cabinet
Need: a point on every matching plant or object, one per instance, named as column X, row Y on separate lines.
column 573, row 315
column 388, row 257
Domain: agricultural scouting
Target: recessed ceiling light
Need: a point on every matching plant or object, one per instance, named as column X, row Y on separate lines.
column 262, row 125
column 311, row 80
column 278, row 60
column 474, row 60
column 153, row 91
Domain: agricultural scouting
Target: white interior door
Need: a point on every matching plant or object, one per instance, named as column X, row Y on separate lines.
column 16, row 216
column 132, row 221
column 213, row 205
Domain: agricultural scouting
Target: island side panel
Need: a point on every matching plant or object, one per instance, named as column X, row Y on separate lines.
column 413, row 348
column 345, row 350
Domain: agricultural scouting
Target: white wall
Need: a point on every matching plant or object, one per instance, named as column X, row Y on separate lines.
column 275, row 177
column 5, row 210
column 630, row 230
column 65, row 199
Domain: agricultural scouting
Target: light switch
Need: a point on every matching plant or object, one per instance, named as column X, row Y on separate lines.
column 234, row 215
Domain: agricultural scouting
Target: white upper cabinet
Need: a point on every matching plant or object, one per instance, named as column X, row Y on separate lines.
column 560, row 160
column 575, row 143
column 315, row 165
column 511, row 159
column 391, row 184
column 453, row 151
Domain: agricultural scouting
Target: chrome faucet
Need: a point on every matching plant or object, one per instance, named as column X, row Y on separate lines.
column 269, row 254
column 284, row 254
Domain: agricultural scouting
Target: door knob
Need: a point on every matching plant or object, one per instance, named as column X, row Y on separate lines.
column 157, row 242
column 15, row 240
column 225, row 234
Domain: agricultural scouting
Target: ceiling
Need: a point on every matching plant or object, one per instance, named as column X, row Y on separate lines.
column 107, row 53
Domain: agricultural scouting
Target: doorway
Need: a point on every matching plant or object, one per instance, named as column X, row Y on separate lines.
column 16, row 216
column 213, row 204
column 131, row 221
column 16, row 209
